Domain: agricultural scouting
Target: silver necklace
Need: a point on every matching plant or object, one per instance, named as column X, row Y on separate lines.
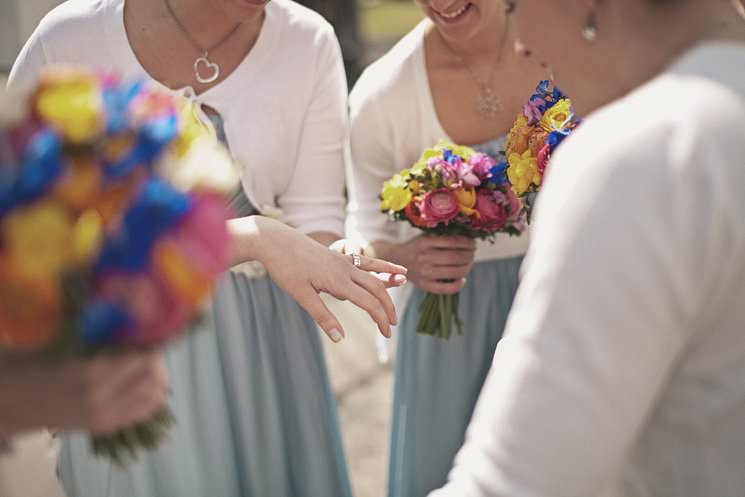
column 488, row 103
column 205, row 71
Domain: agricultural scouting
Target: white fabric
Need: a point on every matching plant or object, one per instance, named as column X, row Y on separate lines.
column 622, row 372
column 303, row 174
column 393, row 121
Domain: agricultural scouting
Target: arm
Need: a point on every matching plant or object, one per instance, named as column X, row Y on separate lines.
column 600, row 320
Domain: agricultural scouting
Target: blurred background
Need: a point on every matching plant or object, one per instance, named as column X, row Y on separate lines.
column 363, row 385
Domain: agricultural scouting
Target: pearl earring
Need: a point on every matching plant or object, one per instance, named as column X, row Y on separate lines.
column 590, row 31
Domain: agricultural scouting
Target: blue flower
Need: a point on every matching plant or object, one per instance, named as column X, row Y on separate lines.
column 498, row 174
column 40, row 167
column 102, row 322
column 156, row 210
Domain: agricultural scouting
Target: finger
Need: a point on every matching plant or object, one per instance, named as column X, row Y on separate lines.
column 392, row 280
column 377, row 288
column 367, row 302
column 451, row 242
column 440, row 288
column 380, row 266
column 311, row 302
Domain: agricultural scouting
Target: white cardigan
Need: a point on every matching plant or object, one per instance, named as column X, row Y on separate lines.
column 622, row 370
column 284, row 107
column 393, row 121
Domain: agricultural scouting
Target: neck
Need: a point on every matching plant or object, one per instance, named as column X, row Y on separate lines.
column 204, row 21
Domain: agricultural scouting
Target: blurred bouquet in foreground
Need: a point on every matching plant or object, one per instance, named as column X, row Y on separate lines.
column 452, row 190
column 112, row 222
column 546, row 120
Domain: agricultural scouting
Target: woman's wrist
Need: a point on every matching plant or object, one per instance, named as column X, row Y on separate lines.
column 246, row 235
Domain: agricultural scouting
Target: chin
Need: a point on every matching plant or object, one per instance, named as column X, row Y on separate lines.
column 245, row 10
column 462, row 19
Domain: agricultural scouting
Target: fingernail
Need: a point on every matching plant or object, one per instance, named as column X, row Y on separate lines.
column 336, row 335
column 400, row 279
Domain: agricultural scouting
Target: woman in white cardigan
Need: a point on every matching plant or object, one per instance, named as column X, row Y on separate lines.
column 454, row 76
column 256, row 415
column 622, row 372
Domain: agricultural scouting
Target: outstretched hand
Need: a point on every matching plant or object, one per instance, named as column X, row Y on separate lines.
column 304, row 268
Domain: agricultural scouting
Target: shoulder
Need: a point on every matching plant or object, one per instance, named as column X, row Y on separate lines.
column 71, row 22
column 663, row 129
column 392, row 79
column 302, row 28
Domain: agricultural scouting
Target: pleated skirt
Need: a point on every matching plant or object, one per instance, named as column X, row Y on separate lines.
column 437, row 382
column 255, row 414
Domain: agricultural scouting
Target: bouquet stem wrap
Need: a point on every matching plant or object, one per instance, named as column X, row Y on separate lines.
column 437, row 315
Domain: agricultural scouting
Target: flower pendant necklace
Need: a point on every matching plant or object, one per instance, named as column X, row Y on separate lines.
column 205, row 71
column 488, row 103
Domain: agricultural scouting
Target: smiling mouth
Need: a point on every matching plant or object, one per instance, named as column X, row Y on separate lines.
column 456, row 14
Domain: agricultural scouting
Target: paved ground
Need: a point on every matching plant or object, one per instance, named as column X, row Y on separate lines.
column 364, row 392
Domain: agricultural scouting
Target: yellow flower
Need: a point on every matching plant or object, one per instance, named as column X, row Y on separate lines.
column 70, row 101
column 396, row 194
column 523, row 172
column 466, row 200
column 558, row 116
column 87, row 236
column 191, row 127
column 38, row 239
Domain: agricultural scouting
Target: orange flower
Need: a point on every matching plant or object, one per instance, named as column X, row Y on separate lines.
column 80, row 183
column 30, row 310
column 179, row 275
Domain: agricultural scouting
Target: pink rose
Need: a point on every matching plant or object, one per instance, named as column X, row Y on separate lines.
column 447, row 171
column 490, row 206
column 439, row 206
column 157, row 315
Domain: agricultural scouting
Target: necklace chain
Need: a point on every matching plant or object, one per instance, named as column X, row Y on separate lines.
column 488, row 103
column 202, row 63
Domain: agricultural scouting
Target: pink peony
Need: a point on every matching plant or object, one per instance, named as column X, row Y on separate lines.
column 490, row 206
column 439, row 206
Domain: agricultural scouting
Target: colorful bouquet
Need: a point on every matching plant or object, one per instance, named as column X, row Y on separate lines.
column 546, row 120
column 112, row 222
column 452, row 190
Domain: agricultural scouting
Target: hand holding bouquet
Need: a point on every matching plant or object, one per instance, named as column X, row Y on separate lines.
column 452, row 190
column 112, row 223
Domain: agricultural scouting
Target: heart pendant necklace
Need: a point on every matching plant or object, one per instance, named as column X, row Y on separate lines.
column 205, row 70
column 212, row 69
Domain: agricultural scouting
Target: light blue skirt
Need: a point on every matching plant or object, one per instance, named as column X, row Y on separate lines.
column 255, row 414
column 437, row 382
